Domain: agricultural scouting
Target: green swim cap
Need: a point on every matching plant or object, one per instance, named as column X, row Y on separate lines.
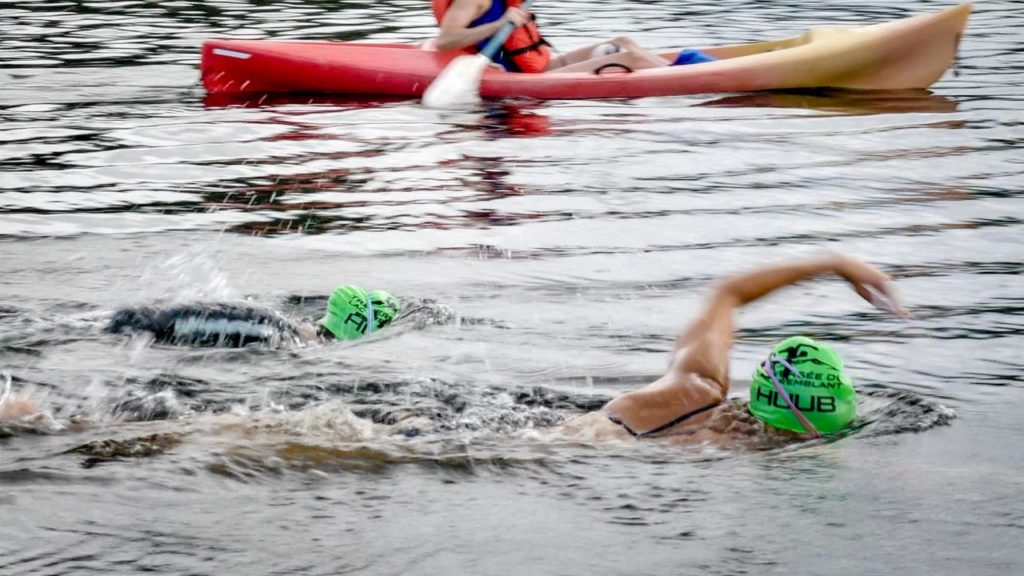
column 811, row 374
column 385, row 307
column 352, row 313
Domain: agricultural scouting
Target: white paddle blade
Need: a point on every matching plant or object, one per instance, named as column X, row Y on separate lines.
column 458, row 84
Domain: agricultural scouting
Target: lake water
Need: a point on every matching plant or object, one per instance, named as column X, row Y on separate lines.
column 553, row 251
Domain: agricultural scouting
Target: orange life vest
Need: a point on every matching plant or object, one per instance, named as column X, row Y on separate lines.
column 524, row 51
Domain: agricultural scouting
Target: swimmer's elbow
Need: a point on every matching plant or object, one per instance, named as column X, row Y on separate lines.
column 728, row 292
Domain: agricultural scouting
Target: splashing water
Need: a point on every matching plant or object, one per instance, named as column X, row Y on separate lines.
column 7, row 390
column 192, row 275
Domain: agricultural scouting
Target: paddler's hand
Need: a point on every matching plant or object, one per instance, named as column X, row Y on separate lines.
column 516, row 16
column 872, row 284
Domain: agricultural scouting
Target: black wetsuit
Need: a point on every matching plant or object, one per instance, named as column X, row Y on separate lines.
column 224, row 325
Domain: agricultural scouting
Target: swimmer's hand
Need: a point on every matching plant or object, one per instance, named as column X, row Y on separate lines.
column 307, row 332
column 16, row 408
column 872, row 284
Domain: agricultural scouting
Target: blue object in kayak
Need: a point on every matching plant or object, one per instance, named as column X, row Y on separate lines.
column 691, row 56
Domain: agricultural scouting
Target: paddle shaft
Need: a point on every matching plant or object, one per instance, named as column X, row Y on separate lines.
column 496, row 41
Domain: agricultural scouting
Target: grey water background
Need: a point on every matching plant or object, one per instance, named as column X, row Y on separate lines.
column 555, row 249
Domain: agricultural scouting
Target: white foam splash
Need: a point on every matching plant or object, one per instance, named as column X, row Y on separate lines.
column 330, row 420
column 7, row 389
column 190, row 276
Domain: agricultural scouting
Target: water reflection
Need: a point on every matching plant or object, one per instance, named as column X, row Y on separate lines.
column 278, row 100
column 521, row 120
column 845, row 101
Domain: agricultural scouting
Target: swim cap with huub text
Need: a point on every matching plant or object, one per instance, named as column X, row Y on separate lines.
column 352, row 312
column 809, row 387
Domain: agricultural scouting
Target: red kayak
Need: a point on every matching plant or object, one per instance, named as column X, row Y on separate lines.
column 908, row 53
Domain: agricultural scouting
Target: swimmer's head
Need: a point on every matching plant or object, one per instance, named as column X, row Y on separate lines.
column 352, row 313
column 385, row 307
column 810, row 392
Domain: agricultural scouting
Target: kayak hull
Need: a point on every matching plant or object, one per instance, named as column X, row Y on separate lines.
column 902, row 54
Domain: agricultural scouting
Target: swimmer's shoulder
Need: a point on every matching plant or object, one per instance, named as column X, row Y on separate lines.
column 217, row 324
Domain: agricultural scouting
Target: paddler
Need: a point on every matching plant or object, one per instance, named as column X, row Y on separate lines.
column 800, row 390
column 470, row 23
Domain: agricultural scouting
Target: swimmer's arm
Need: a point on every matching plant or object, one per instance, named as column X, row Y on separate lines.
column 703, row 348
column 456, row 33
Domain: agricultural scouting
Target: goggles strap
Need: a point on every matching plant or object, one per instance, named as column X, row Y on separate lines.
column 370, row 320
column 769, row 367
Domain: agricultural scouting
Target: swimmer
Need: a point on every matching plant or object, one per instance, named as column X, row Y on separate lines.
column 351, row 314
column 799, row 391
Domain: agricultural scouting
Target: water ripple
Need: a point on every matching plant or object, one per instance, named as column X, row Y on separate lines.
column 566, row 243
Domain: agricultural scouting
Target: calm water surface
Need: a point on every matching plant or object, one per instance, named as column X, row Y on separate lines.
column 552, row 250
